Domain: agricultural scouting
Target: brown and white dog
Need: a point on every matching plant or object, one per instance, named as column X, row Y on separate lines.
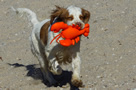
column 51, row 55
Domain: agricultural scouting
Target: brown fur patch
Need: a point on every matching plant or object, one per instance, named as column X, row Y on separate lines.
column 63, row 58
column 44, row 33
column 70, row 18
column 61, row 13
column 85, row 15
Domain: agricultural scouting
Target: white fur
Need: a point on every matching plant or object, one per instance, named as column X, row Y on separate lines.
column 76, row 12
column 50, row 51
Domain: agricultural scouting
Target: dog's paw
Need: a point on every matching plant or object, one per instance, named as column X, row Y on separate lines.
column 57, row 70
column 77, row 83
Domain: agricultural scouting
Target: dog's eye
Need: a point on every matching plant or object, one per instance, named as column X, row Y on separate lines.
column 70, row 18
column 81, row 17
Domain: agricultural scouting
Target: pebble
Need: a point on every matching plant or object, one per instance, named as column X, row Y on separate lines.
column 98, row 76
column 107, row 63
column 97, row 3
column 102, row 29
column 134, row 66
column 122, row 12
column 23, row 32
column 105, row 86
column 16, row 34
column 120, row 57
column 96, row 50
column 29, row 78
column 17, row 58
column 116, row 60
column 134, row 78
column 116, row 86
column 61, row 88
column 2, row 44
column 113, row 54
column 1, row 58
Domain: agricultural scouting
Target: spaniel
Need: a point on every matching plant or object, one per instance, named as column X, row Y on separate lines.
column 51, row 56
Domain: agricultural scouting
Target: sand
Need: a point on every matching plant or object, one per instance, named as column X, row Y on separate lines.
column 108, row 56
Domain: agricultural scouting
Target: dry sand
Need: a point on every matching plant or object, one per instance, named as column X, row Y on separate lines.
column 108, row 56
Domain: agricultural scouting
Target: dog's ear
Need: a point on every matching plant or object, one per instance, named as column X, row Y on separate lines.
column 86, row 15
column 57, row 7
column 60, row 13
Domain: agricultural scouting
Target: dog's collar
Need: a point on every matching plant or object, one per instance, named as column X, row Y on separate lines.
column 54, row 21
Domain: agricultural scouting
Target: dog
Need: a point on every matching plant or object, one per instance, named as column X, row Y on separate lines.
column 51, row 56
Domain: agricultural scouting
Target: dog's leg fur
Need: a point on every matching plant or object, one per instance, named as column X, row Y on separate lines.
column 50, row 53
column 53, row 64
column 76, row 81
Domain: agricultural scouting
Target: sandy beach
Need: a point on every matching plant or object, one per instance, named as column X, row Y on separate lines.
column 108, row 56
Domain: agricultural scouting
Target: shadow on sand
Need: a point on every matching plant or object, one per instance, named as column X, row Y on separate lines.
column 36, row 73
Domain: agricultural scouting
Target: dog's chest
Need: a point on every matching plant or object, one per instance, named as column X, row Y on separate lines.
column 64, row 56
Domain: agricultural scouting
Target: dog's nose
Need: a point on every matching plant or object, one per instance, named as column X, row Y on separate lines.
column 79, row 24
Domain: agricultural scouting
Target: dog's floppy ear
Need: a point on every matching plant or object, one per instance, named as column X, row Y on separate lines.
column 86, row 15
column 59, row 12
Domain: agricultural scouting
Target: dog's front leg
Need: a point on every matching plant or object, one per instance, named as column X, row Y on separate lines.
column 53, row 64
column 76, row 81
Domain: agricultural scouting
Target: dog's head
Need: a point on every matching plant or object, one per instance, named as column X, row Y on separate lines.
column 71, row 15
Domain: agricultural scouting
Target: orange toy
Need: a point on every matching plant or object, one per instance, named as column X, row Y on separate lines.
column 69, row 33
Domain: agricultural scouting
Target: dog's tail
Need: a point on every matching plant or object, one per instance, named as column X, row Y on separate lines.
column 31, row 15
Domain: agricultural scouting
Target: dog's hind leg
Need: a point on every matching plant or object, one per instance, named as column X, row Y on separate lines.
column 46, row 73
column 37, row 51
